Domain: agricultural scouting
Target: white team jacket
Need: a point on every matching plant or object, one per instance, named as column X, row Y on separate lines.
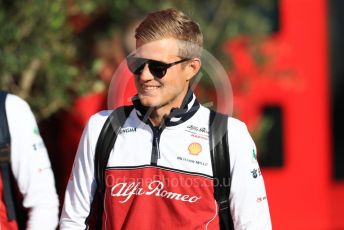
column 161, row 178
column 31, row 166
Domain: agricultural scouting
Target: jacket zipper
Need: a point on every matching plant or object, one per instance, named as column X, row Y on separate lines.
column 155, row 145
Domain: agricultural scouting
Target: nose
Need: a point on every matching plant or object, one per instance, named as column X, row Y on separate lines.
column 146, row 74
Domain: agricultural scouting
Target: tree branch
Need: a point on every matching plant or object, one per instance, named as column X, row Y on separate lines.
column 28, row 77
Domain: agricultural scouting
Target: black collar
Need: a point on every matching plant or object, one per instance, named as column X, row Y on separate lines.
column 189, row 107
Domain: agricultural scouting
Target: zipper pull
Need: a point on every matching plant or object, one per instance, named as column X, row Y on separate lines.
column 157, row 146
column 155, row 151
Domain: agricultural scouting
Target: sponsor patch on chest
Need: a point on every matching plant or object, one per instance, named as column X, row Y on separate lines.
column 198, row 132
column 197, row 162
column 127, row 130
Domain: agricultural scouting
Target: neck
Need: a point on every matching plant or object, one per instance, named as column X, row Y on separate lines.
column 158, row 114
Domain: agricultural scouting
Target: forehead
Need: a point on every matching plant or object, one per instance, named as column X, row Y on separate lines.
column 163, row 49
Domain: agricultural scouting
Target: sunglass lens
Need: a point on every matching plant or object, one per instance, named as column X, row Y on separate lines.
column 158, row 69
column 136, row 65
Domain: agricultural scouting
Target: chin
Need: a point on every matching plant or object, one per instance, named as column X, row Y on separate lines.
column 149, row 102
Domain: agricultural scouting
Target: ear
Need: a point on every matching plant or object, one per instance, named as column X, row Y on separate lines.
column 193, row 66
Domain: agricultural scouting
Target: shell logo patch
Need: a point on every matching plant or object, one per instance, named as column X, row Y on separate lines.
column 195, row 148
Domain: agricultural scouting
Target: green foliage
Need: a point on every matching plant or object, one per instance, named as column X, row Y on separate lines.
column 48, row 60
column 36, row 52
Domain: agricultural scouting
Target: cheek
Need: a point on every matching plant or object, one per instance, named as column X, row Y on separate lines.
column 178, row 77
column 180, row 82
column 174, row 87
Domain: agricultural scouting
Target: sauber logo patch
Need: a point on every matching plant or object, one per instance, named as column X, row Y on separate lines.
column 194, row 148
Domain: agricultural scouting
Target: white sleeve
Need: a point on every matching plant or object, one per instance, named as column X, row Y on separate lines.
column 31, row 166
column 81, row 185
column 248, row 201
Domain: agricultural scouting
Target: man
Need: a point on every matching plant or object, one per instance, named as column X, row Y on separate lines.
column 30, row 166
column 159, row 173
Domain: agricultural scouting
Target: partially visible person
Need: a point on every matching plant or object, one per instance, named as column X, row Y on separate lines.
column 31, row 169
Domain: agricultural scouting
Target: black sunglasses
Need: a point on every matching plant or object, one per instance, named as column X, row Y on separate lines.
column 157, row 68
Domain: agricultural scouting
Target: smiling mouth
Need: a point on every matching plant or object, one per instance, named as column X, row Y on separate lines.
column 149, row 88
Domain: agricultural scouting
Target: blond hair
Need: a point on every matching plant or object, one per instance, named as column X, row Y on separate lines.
column 172, row 23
